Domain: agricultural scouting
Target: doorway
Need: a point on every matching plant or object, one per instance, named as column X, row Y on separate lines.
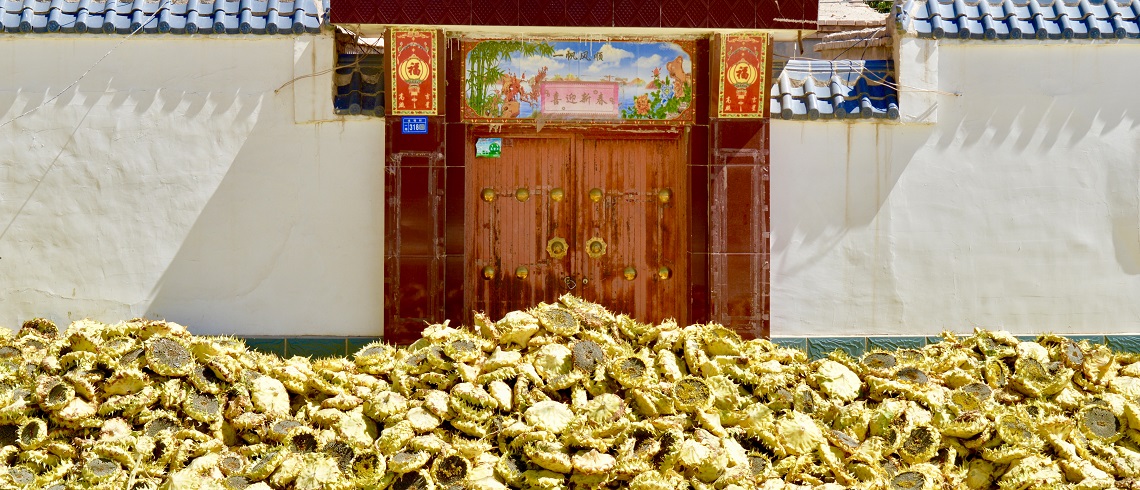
column 600, row 216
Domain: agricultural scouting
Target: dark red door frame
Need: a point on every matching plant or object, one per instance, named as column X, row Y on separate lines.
column 424, row 209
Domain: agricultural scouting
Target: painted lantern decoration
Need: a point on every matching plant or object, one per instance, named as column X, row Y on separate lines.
column 553, row 79
column 412, row 58
column 743, row 65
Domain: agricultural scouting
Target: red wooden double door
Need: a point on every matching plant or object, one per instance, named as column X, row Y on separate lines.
column 603, row 218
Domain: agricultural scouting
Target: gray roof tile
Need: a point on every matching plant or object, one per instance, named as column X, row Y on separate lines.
column 177, row 16
column 841, row 89
column 1020, row 19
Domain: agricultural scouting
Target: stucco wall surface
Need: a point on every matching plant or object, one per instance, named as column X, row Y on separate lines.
column 1016, row 205
column 185, row 178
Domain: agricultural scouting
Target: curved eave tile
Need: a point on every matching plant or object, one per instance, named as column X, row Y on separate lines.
column 191, row 17
column 1020, row 19
column 821, row 90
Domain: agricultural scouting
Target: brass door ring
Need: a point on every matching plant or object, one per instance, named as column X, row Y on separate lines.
column 557, row 247
column 595, row 247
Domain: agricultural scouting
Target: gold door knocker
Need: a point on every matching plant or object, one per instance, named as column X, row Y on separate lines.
column 595, row 247
column 556, row 247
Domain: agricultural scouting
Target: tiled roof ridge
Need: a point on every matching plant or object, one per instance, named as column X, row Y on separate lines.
column 851, row 23
column 175, row 17
column 857, row 34
column 1020, row 19
column 853, row 43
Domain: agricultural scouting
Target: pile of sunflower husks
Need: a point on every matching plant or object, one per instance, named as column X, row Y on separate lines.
column 560, row 396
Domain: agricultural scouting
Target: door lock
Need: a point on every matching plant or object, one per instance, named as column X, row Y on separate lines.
column 569, row 281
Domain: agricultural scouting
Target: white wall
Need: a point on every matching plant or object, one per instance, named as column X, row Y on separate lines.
column 175, row 181
column 1017, row 206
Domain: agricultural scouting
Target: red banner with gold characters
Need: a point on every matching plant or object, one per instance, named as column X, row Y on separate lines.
column 412, row 63
column 743, row 69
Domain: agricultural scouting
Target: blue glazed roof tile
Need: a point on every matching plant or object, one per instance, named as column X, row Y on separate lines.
column 1020, row 19
column 166, row 16
column 843, row 89
column 359, row 84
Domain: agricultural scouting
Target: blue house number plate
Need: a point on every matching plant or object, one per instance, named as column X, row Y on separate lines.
column 414, row 125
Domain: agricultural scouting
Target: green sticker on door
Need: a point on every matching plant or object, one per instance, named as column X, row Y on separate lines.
column 488, row 147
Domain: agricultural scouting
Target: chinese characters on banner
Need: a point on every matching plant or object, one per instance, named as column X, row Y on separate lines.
column 581, row 99
column 413, row 68
column 743, row 67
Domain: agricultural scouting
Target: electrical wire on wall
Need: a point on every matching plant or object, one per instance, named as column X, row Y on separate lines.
column 71, row 137
column 92, row 67
column 375, row 47
column 876, row 78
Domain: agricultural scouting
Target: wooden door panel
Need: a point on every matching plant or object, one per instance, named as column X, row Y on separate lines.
column 507, row 233
column 641, row 231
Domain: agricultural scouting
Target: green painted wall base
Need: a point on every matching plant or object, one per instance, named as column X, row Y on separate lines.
column 816, row 347
column 315, row 347
column 819, row 347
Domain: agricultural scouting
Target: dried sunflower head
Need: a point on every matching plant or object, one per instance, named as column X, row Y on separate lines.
column 343, row 453
column 302, row 439
column 837, row 380
column 168, row 357
column 236, row 482
column 972, row 396
column 588, row 355
column 161, row 422
column 22, row 476
column 100, row 470
column 910, row 480
column 53, row 393
column 1032, row 378
column 463, row 347
column 41, row 327
column 557, row 320
column 450, row 469
column 1015, row 428
column 630, row 371
column 920, row 444
column 231, row 464
column 912, row 375
column 32, row 432
column 692, row 394
column 203, row 407
column 879, row 361
column 1099, row 423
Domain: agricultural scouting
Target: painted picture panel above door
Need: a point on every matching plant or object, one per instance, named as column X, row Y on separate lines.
column 557, row 80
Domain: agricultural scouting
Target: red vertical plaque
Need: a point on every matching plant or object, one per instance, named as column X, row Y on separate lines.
column 743, row 66
column 412, row 56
